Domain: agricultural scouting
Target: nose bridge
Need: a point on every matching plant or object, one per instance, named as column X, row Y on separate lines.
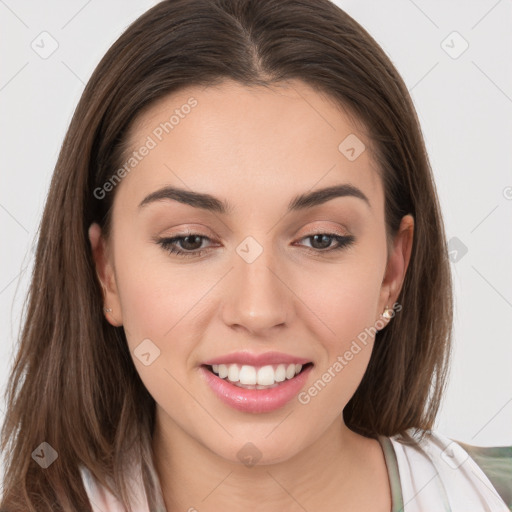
column 256, row 299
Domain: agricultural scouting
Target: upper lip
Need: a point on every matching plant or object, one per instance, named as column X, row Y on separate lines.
column 251, row 359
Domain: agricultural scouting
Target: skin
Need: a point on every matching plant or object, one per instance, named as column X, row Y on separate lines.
column 256, row 148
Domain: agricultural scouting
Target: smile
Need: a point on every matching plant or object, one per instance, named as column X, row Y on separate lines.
column 253, row 377
column 256, row 389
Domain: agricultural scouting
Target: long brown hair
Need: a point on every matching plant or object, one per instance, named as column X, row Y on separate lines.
column 73, row 383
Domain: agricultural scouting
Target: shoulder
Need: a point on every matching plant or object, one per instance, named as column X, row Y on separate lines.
column 103, row 498
column 496, row 463
column 458, row 472
column 99, row 495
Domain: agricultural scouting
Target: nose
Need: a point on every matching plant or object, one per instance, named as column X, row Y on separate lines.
column 256, row 297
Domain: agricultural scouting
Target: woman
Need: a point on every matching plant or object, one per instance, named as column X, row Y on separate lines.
column 241, row 295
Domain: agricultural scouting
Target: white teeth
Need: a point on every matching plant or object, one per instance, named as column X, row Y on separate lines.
column 290, row 371
column 247, row 375
column 233, row 372
column 266, row 376
column 280, row 375
column 259, row 377
column 223, row 371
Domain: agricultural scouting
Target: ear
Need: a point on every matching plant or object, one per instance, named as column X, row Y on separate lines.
column 396, row 268
column 106, row 275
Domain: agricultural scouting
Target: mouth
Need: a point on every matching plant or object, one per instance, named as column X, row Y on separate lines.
column 257, row 377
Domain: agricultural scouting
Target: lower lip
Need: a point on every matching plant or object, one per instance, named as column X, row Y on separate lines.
column 255, row 400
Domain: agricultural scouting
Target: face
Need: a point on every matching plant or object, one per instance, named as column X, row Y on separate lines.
column 259, row 276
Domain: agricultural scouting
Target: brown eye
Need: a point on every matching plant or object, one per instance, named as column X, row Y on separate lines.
column 191, row 243
column 188, row 245
column 321, row 242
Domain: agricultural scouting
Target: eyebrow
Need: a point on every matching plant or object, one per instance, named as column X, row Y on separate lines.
column 213, row 204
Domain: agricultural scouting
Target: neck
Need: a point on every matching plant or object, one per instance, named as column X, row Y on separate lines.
column 337, row 466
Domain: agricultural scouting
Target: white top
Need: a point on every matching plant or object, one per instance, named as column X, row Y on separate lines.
column 435, row 474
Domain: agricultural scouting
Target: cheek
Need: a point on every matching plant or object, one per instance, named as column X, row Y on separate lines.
column 344, row 297
column 159, row 298
column 344, row 303
column 157, row 301
column 158, row 306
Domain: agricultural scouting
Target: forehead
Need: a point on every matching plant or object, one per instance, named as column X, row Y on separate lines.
column 235, row 141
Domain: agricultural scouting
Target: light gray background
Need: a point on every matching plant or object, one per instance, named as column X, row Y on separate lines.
column 465, row 109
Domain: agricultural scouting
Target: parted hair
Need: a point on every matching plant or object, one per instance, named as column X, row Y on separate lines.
column 73, row 383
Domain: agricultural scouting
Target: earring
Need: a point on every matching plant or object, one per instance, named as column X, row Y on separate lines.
column 388, row 313
column 107, row 310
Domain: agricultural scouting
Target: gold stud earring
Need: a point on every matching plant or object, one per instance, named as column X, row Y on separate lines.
column 388, row 313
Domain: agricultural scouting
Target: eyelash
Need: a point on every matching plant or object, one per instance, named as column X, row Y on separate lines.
column 169, row 244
